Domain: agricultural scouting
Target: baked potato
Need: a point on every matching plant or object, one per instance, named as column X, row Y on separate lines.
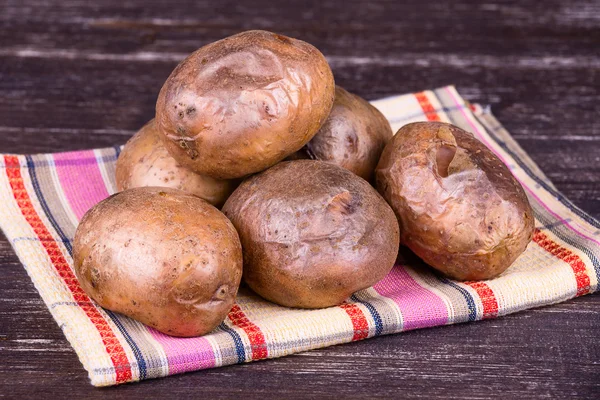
column 460, row 208
column 144, row 161
column 312, row 233
column 161, row 256
column 353, row 136
column 244, row 103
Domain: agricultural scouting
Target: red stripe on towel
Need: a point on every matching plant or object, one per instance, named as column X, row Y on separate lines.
column 577, row 265
column 488, row 299
column 359, row 321
column 258, row 344
column 111, row 343
column 426, row 106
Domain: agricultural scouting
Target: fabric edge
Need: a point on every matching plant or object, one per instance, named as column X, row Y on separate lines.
column 486, row 116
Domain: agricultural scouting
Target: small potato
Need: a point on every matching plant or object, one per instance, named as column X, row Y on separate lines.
column 353, row 136
column 460, row 209
column 145, row 161
column 244, row 103
column 161, row 256
column 313, row 233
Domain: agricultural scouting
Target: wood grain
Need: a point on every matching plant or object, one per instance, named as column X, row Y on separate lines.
column 76, row 74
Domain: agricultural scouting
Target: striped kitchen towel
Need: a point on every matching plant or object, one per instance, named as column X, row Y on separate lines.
column 43, row 197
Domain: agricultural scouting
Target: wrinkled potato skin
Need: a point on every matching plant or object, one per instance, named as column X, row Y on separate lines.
column 312, row 233
column 139, row 253
column 244, row 103
column 463, row 213
column 353, row 136
column 145, row 161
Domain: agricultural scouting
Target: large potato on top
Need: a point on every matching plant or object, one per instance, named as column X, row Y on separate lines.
column 313, row 233
column 161, row 256
column 244, row 103
column 353, row 136
column 460, row 209
column 145, row 161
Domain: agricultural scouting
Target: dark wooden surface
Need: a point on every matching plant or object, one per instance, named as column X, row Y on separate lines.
column 78, row 74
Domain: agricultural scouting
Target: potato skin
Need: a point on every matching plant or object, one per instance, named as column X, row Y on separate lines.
column 145, row 161
column 244, row 103
column 460, row 208
column 161, row 256
column 353, row 136
column 313, row 233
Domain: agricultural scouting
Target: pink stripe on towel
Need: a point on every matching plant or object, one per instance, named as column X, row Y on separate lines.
column 80, row 179
column 420, row 307
column 185, row 354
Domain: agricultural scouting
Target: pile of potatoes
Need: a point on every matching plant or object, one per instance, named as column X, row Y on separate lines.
column 254, row 125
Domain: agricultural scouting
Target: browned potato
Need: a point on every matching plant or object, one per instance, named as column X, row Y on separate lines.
column 244, row 103
column 145, row 161
column 353, row 136
column 460, row 209
column 313, row 233
column 161, row 256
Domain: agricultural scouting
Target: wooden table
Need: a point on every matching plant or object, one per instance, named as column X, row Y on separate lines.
column 81, row 74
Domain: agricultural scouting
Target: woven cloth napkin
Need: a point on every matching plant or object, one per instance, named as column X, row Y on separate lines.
column 42, row 198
